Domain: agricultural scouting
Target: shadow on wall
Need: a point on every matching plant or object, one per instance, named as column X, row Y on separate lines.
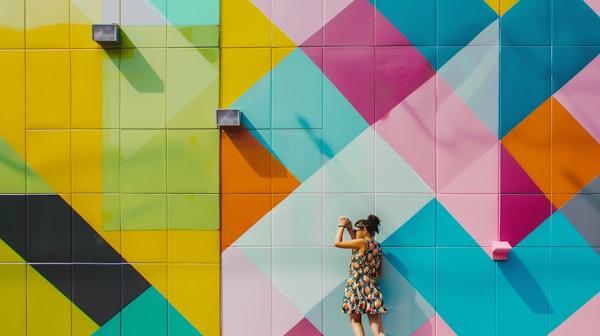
column 523, row 282
column 139, row 73
column 407, row 307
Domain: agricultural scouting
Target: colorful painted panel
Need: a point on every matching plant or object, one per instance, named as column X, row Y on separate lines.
column 109, row 164
column 458, row 123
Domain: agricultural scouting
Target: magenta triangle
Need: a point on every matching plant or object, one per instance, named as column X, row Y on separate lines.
column 304, row 328
column 521, row 214
column 355, row 25
column 513, row 178
column 386, row 33
column 315, row 54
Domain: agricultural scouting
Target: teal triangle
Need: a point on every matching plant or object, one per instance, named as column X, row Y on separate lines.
column 419, row 230
column 110, row 328
column 445, row 54
column 179, row 325
column 429, row 53
column 563, row 233
column 146, row 315
column 255, row 104
column 538, row 237
column 568, row 61
column 449, row 231
column 579, row 24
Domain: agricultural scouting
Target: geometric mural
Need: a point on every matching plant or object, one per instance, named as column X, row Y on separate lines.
column 124, row 210
column 457, row 123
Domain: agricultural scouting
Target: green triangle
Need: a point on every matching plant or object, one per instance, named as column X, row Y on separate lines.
column 36, row 184
column 12, row 170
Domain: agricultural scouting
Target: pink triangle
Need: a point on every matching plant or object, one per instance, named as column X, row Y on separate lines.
column 426, row 329
column 513, row 179
column 480, row 177
column 353, row 26
column 462, row 139
column 521, row 214
column 242, row 281
column 584, row 322
column 409, row 128
column 476, row 213
column 386, row 33
column 442, row 328
column 304, row 328
column 315, row 54
column 315, row 40
column 594, row 5
column 285, row 314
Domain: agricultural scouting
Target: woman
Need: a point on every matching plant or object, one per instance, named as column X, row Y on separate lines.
column 362, row 294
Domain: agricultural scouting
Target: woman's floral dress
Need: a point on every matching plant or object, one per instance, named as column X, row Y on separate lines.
column 362, row 294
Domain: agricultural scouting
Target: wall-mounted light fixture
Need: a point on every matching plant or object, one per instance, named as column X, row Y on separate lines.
column 106, row 33
column 229, row 118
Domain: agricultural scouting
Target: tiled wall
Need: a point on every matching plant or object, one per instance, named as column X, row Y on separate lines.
column 457, row 122
column 109, row 169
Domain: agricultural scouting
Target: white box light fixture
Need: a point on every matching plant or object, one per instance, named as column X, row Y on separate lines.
column 229, row 118
column 106, row 33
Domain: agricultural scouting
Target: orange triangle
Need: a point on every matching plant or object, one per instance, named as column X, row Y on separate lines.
column 248, row 170
column 245, row 163
column 239, row 212
column 529, row 144
column 560, row 199
column 575, row 153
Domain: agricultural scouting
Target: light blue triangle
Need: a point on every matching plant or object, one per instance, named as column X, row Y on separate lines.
column 563, row 233
column 110, row 328
column 260, row 257
column 179, row 325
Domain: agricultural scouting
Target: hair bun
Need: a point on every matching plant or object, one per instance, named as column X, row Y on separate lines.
column 373, row 223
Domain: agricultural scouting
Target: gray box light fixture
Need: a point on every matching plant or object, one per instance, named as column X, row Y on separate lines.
column 229, row 118
column 106, row 33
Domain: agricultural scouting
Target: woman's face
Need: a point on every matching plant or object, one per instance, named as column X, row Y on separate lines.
column 360, row 232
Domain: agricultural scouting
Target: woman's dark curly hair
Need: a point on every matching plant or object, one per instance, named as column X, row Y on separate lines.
column 371, row 224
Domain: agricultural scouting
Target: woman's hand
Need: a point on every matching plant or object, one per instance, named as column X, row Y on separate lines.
column 345, row 222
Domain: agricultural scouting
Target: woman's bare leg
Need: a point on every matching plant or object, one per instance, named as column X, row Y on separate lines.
column 376, row 326
column 355, row 320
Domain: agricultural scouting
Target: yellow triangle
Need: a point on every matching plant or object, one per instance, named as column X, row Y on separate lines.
column 82, row 324
column 7, row 254
column 48, row 310
column 12, row 95
column 280, row 39
column 505, row 5
column 244, row 25
column 495, row 4
column 241, row 68
column 187, row 286
column 13, row 310
column 280, row 53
